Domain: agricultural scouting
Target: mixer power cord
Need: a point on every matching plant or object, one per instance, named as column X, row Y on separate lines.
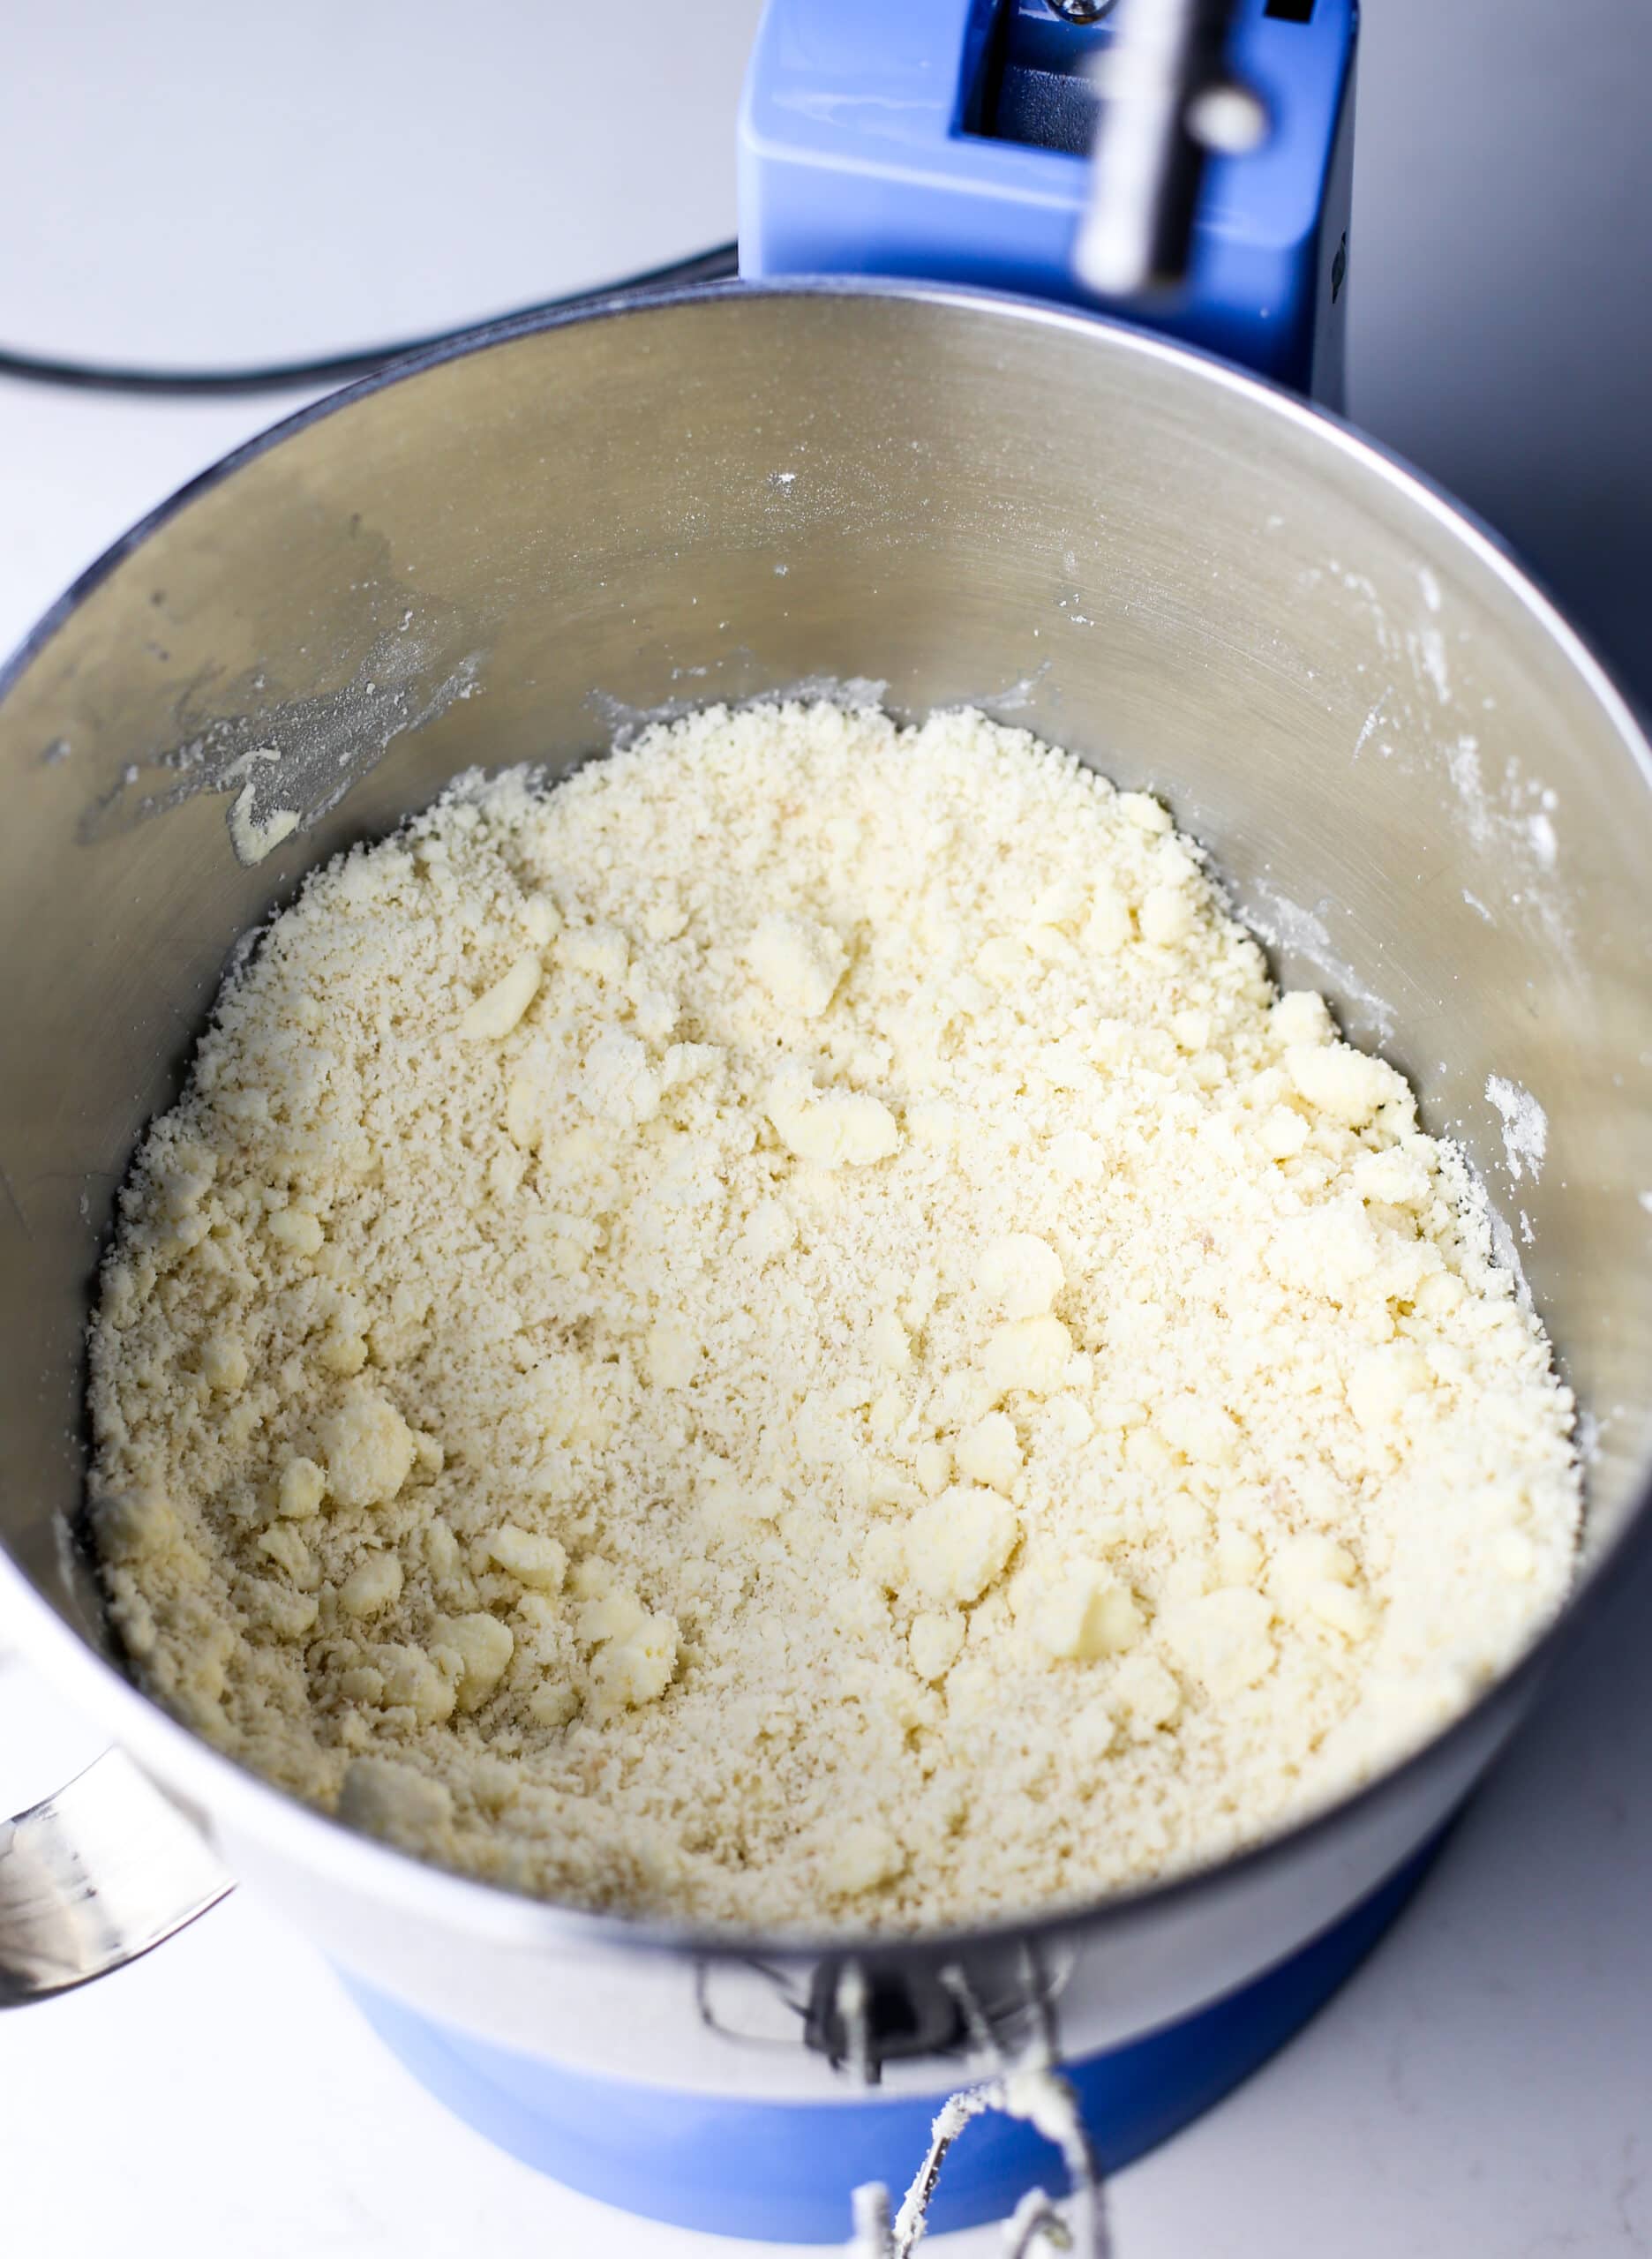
column 713, row 265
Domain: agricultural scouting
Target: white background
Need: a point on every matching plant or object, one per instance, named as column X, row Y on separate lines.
column 188, row 182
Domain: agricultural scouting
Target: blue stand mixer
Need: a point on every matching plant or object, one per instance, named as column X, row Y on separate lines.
column 1188, row 166
column 1190, row 169
column 546, row 500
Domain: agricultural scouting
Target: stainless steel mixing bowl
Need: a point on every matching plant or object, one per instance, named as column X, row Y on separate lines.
column 1414, row 777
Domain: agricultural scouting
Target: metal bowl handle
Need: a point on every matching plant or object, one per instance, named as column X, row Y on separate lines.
column 95, row 1876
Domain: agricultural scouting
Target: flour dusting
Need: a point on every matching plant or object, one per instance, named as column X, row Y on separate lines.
column 1286, row 925
column 1525, row 1126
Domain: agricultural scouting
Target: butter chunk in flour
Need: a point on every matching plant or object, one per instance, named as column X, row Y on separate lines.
column 791, row 1330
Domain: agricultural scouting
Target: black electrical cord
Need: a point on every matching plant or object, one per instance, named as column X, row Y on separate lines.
column 712, row 266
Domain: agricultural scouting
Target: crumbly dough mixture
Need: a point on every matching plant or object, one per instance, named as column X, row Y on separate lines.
column 791, row 1332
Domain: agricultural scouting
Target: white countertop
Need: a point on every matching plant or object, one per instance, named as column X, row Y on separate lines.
column 1483, row 2086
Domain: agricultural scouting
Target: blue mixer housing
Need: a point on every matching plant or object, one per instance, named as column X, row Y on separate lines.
column 949, row 140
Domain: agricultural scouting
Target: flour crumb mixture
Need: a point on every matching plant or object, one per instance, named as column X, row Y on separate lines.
column 791, row 1332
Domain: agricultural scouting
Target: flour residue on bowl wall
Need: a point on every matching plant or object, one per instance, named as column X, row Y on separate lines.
column 1419, row 714
column 284, row 763
column 1522, row 827
column 253, row 836
column 1286, row 925
column 1525, row 1126
column 1427, row 647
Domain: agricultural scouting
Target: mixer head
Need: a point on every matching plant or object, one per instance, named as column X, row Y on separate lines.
column 1185, row 163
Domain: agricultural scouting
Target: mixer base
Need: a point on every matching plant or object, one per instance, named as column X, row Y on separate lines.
column 782, row 2172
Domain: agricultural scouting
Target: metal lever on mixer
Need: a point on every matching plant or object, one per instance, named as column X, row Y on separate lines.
column 1168, row 103
column 95, row 1876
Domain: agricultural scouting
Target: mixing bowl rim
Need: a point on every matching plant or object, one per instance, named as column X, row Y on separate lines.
column 324, row 1844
